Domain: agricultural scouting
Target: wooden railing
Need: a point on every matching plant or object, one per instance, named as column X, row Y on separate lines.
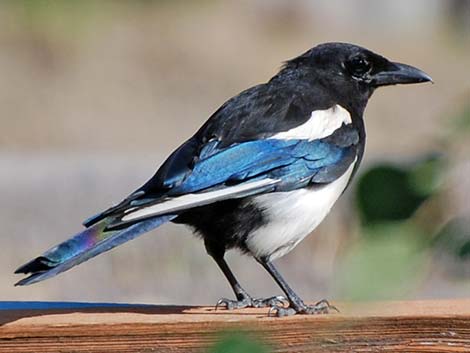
column 415, row 326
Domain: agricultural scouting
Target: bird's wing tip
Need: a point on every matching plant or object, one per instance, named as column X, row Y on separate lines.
column 92, row 220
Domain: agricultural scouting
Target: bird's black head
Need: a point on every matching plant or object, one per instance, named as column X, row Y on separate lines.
column 352, row 70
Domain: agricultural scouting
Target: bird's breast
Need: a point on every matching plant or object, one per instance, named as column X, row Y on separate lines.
column 291, row 216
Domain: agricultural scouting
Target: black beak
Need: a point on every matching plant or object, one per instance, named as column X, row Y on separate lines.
column 397, row 73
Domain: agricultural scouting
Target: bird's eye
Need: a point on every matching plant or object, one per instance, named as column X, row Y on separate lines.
column 358, row 66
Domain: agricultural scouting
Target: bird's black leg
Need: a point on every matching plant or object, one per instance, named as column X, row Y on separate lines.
column 297, row 306
column 243, row 300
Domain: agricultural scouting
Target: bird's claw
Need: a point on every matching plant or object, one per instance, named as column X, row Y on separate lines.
column 232, row 304
column 271, row 302
column 278, row 306
column 321, row 307
column 229, row 304
column 280, row 311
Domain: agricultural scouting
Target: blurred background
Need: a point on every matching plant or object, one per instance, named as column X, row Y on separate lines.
column 95, row 94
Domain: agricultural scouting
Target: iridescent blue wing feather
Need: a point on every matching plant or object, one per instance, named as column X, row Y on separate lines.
column 222, row 174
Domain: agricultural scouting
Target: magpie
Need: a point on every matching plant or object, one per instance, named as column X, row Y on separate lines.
column 258, row 176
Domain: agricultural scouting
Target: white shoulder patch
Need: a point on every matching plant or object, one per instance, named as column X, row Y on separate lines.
column 322, row 123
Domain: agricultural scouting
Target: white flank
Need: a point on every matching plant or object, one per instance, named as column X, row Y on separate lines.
column 322, row 123
column 292, row 216
column 193, row 200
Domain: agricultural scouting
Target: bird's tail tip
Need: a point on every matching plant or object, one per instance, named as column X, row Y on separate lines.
column 83, row 246
column 23, row 282
column 34, row 267
column 38, row 264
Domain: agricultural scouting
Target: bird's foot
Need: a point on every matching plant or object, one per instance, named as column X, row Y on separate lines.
column 248, row 302
column 231, row 304
column 321, row 307
column 270, row 302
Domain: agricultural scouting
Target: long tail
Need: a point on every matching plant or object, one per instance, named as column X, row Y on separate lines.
column 110, row 228
column 83, row 246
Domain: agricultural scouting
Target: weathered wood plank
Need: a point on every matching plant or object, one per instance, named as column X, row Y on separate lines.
column 418, row 326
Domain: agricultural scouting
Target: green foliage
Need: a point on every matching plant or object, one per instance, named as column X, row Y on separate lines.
column 390, row 192
column 425, row 176
column 384, row 264
column 55, row 19
column 385, row 194
column 238, row 342
column 77, row 18
column 454, row 239
column 401, row 231
column 393, row 250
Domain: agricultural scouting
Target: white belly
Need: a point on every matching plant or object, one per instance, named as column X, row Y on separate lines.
column 292, row 215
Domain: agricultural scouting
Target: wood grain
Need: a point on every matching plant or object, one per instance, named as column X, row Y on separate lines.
column 418, row 326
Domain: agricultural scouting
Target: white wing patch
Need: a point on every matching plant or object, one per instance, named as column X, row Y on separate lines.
column 322, row 123
column 194, row 200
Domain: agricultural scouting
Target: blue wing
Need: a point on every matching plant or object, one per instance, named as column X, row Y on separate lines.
column 289, row 161
column 239, row 170
column 192, row 168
